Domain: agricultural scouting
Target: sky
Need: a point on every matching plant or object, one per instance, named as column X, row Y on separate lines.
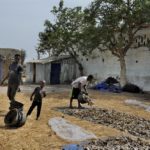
column 22, row 20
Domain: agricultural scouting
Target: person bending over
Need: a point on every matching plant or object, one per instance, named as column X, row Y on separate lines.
column 79, row 85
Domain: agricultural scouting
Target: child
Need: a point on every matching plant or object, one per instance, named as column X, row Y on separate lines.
column 38, row 94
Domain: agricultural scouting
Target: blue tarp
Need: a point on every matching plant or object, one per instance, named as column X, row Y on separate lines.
column 103, row 86
column 72, row 147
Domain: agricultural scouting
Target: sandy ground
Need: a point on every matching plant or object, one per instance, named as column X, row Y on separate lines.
column 37, row 135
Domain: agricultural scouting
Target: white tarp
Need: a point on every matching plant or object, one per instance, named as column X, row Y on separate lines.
column 137, row 103
column 69, row 131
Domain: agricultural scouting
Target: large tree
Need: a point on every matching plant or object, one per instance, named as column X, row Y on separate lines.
column 114, row 25
column 63, row 35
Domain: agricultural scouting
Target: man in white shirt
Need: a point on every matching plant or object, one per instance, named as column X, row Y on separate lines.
column 79, row 85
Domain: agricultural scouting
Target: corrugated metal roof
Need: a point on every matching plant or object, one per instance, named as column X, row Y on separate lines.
column 49, row 59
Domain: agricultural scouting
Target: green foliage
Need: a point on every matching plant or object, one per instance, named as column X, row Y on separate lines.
column 115, row 24
column 105, row 25
column 63, row 35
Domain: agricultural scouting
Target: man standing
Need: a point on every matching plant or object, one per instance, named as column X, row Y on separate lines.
column 14, row 78
column 78, row 85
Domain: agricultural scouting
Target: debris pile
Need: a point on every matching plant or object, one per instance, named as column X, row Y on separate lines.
column 134, row 125
column 137, row 103
column 116, row 143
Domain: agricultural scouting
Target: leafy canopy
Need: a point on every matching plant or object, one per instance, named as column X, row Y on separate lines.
column 114, row 24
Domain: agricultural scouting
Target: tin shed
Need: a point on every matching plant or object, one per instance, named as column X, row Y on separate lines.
column 54, row 70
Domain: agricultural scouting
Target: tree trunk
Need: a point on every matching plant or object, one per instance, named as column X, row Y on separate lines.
column 38, row 54
column 80, row 69
column 79, row 66
column 123, row 78
column 49, row 53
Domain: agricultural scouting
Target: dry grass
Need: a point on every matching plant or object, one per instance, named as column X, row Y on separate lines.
column 37, row 135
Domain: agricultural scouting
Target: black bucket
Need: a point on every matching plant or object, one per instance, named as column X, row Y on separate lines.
column 16, row 105
column 15, row 118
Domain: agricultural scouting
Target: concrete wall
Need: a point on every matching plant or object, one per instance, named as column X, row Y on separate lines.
column 137, row 63
column 103, row 65
column 9, row 51
column 7, row 54
column 138, row 67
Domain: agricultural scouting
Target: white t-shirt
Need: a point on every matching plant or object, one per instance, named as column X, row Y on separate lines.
column 82, row 80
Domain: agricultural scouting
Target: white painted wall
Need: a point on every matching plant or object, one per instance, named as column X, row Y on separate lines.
column 137, row 62
column 138, row 67
column 105, row 64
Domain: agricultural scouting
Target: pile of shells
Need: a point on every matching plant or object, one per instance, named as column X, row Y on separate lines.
column 134, row 125
column 116, row 143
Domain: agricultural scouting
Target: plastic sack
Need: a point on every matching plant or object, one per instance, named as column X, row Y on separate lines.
column 72, row 147
column 68, row 131
column 84, row 98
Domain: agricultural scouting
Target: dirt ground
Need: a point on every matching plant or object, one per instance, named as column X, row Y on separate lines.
column 37, row 135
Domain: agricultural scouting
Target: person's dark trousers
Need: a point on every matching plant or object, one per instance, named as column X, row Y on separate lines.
column 34, row 104
column 11, row 92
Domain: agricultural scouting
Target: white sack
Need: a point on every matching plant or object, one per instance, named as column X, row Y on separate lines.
column 69, row 131
column 137, row 103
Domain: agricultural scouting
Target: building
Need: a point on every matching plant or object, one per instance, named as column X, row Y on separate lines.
column 101, row 65
column 54, row 70
column 104, row 65
column 6, row 57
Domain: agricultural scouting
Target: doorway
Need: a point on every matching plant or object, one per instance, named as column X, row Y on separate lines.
column 34, row 72
column 55, row 73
